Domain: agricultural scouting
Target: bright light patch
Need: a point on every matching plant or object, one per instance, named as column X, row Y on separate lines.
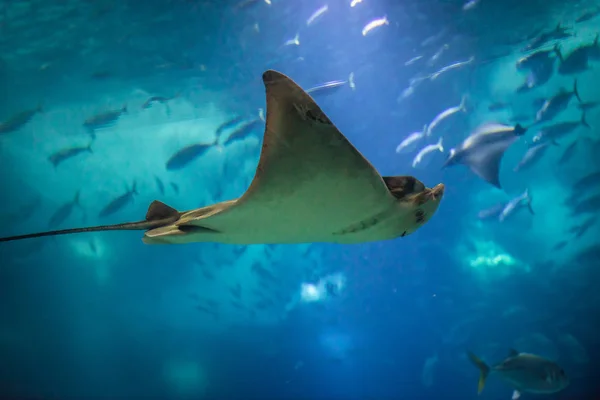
column 491, row 261
column 309, row 293
column 328, row 286
column 489, row 257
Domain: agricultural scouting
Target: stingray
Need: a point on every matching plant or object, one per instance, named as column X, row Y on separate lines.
column 311, row 185
column 482, row 151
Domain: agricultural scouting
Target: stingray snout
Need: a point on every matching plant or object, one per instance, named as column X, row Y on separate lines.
column 437, row 192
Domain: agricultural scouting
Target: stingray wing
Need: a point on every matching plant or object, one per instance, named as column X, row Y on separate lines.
column 485, row 160
column 310, row 181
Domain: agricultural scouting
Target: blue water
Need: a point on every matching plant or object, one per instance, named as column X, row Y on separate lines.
column 101, row 315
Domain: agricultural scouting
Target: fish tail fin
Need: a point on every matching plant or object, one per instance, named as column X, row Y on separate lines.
column 584, row 121
column 484, row 371
column 463, row 103
column 134, row 188
column 351, row 82
column 596, row 39
column 575, row 91
column 124, row 108
column 528, row 200
column 558, row 52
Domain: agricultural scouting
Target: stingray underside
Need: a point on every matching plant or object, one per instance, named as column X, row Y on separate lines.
column 485, row 160
column 311, row 185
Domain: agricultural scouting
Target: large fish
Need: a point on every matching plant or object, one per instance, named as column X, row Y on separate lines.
column 587, row 205
column 482, row 151
column 243, row 131
column 526, row 373
column 311, row 185
column 18, row 120
column 557, row 131
column 591, row 179
column 578, row 60
column 63, row 155
column 557, row 33
column 533, row 155
column 64, row 212
column 538, row 59
column 188, row 154
column 119, row 202
column 556, row 104
column 103, row 120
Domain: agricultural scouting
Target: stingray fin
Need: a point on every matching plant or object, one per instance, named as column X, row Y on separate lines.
column 486, row 162
column 310, row 181
column 159, row 210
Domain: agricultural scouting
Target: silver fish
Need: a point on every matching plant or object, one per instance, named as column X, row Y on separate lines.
column 409, row 143
column 523, row 200
column 533, row 154
column 445, row 114
column 556, row 131
column 492, row 212
column 426, row 150
column 331, row 86
column 556, row 104
column 536, row 60
column 482, row 151
column 317, row 15
column 527, row 373
column 450, row 67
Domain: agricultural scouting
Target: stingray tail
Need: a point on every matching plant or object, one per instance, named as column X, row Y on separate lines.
column 484, row 371
column 159, row 214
